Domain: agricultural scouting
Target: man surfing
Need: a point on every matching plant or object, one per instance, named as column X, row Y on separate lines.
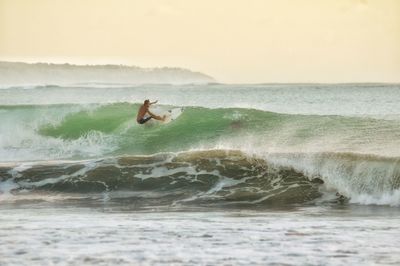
column 145, row 115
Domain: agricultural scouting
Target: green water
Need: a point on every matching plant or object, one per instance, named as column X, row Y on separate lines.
column 198, row 127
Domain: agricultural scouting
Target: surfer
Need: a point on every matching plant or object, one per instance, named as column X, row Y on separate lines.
column 145, row 115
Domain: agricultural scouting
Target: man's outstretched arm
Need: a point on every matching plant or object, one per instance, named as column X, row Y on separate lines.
column 154, row 102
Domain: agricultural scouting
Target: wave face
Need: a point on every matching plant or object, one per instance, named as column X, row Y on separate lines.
column 80, row 132
column 62, row 74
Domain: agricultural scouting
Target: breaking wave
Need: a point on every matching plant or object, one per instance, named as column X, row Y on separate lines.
column 211, row 178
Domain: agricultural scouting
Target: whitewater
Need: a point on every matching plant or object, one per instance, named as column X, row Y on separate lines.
column 241, row 176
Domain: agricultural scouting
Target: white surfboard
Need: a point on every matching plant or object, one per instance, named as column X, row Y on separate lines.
column 172, row 114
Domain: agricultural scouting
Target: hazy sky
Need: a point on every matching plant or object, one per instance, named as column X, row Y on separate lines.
column 232, row 40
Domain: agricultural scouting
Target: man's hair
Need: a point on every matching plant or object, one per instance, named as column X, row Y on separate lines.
column 146, row 101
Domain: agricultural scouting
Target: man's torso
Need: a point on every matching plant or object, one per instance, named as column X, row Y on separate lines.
column 141, row 113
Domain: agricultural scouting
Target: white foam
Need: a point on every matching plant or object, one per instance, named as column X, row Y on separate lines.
column 391, row 198
column 362, row 180
column 20, row 139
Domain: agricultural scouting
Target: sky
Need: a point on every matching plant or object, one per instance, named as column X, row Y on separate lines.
column 235, row 41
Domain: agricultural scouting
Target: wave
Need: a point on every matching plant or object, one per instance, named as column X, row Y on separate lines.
column 201, row 178
column 362, row 178
column 87, row 131
column 211, row 178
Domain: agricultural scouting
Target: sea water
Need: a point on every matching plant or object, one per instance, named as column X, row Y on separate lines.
column 247, row 174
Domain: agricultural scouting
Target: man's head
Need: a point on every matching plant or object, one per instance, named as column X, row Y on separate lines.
column 147, row 102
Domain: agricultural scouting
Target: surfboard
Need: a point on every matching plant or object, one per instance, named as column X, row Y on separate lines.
column 172, row 114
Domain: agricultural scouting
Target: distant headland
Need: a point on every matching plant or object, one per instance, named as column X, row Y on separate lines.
column 18, row 73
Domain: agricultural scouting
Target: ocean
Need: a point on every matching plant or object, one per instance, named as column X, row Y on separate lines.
column 262, row 174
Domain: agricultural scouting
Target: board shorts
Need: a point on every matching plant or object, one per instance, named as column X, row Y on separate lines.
column 144, row 119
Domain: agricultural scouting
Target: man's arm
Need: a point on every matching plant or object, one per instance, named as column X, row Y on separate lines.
column 154, row 102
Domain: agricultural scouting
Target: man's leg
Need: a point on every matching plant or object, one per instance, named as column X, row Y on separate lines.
column 156, row 117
